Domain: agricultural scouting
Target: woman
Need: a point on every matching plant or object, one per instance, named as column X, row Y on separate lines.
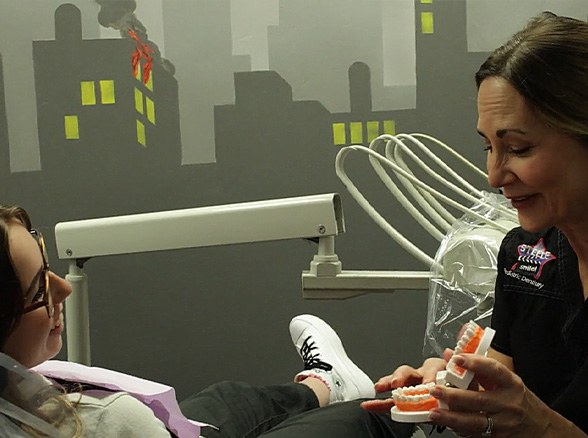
column 533, row 116
column 31, row 325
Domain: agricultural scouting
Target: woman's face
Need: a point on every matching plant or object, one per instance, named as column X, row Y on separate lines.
column 37, row 337
column 543, row 172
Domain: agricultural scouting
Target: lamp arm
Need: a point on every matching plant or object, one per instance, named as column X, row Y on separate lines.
column 77, row 321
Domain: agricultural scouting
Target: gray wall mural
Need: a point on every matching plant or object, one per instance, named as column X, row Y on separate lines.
column 234, row 101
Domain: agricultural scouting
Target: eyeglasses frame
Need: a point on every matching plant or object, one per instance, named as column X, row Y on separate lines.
column 47, row 300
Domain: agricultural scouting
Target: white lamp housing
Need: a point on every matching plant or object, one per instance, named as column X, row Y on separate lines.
column 277, row 219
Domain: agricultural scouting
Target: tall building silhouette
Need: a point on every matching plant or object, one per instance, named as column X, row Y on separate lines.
column 204, row 71
column 275, row 145
column 444, row 67
column 99, row 119
column 310, row 51
column 362, row 124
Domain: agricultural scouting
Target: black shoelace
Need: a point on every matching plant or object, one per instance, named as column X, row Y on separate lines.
column 438, row 429
column 312, row 361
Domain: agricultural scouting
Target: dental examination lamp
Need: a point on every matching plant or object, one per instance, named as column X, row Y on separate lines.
column 308, row 217
column 315, row 217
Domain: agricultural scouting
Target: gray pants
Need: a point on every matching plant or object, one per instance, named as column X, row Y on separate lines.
column 290, row 410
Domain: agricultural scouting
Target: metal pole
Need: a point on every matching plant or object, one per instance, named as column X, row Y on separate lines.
column 77, row 319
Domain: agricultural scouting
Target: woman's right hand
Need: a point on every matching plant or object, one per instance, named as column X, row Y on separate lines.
column 406, row 375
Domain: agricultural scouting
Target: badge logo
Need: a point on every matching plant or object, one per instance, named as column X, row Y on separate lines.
column 532, row 258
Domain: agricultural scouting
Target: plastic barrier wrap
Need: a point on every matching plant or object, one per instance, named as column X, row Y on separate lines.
column 25, row 397
column 464, row 273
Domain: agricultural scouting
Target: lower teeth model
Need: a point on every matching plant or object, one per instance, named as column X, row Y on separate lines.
column 415, row 398
column 413, row 403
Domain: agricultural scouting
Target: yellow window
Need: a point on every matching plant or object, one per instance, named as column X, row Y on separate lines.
column 427, row 24
column 389, row 127
column 88, row 90
column 139, row 101
column 141, row 134
column 150, row 106
column 339, row 136
column 373, row 130
column 149, row 83
column 138, row 71
column 72, row 130
column 107, row 92
column 356, row 131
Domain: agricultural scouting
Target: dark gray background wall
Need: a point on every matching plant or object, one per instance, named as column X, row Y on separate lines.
column 235, row 127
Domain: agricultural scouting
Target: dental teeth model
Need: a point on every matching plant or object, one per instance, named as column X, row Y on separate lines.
column 415, row 398
column 474, row 340
column 413, row 403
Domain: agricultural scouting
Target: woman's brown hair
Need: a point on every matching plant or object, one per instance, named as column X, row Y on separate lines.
column 547, row 63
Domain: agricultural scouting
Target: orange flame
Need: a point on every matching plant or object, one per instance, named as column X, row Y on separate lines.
column 142, row 51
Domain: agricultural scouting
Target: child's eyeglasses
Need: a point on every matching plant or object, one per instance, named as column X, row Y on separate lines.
column 42, row 297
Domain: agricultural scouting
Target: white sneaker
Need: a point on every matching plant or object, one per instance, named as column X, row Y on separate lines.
column 324, row 358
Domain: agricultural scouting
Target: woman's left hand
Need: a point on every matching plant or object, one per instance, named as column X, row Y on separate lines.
column 505, row 408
